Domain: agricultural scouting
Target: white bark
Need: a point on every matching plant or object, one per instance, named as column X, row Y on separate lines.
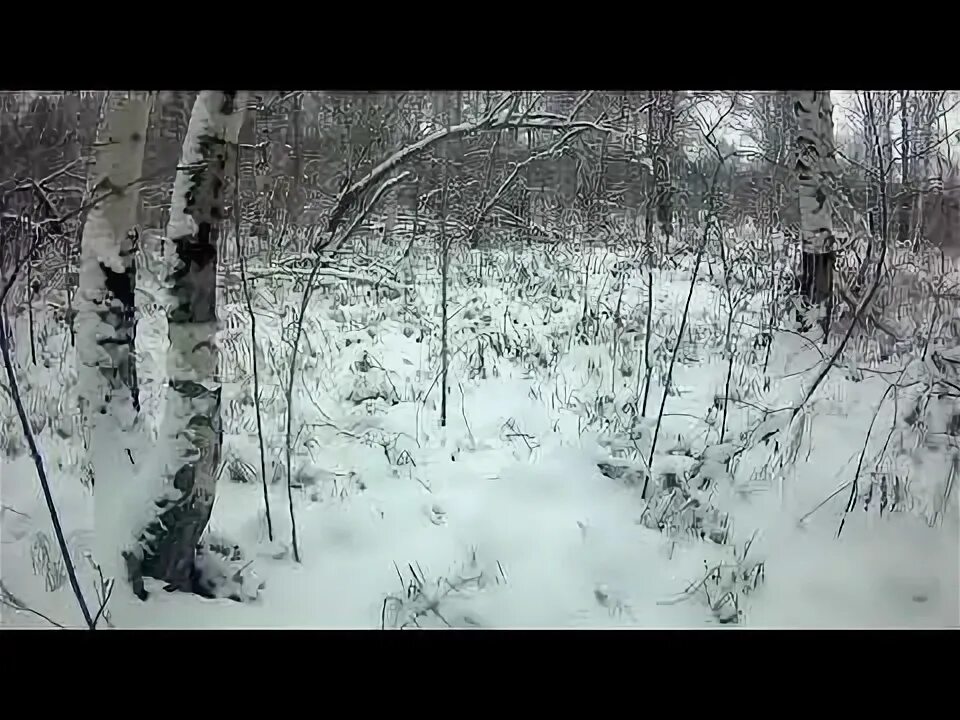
column 815, row 157
column 106, row 324
column 190, row 431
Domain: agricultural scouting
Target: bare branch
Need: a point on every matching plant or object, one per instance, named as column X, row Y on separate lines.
column 12, row 601
column 489, row 122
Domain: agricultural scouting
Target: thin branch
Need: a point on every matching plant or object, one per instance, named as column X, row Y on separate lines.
column 41, row 472
column 504, row 186
column 12, row 601
column 828, row 365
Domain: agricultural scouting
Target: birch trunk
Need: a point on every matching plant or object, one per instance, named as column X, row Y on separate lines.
column 106, row 320
column 814, row 150
column 190, row 429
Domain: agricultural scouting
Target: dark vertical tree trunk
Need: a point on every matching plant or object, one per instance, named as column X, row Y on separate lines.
column 906, row 176
column 452, row 117
column 649, row 202
column 294, row 199
column 666, row 109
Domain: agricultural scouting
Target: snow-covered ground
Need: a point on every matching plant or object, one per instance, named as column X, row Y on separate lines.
column 504, row 518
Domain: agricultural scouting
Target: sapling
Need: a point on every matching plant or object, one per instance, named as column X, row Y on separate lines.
column 444, row 282
column 253, row 342
column 733, row 301
column 707, row 226
column 322, row 251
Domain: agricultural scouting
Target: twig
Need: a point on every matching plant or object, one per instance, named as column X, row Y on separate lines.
column 647, row 361
column 12, row 601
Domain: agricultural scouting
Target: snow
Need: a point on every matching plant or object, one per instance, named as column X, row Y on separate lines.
column 503, row 518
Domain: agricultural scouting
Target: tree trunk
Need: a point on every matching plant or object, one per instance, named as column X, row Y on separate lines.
column 651, row 185
column 663, row 162
column 106, row 318
column 923, row 146
column 294, row 199
column 191, row 423
column 814, row 151
column 878, row 169
column 452, row 117
column 906, row 176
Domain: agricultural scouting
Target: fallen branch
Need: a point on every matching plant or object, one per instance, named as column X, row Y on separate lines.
column 331, row 272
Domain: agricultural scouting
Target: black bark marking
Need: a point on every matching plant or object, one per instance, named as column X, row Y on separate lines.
column 343, row 208
column 197, row 259
column 186, row 477
column 821, row 199
column 121, row 286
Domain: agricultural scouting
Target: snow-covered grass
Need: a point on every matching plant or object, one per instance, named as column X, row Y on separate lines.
column 528, row 509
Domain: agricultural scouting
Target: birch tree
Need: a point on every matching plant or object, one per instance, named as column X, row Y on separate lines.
column 191, row 432
column 814, row 152
column 106, row 313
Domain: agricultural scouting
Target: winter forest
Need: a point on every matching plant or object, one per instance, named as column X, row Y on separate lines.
column 480, row 359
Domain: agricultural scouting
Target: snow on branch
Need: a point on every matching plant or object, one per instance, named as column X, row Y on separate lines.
column 330, row 245
column 500, row 117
